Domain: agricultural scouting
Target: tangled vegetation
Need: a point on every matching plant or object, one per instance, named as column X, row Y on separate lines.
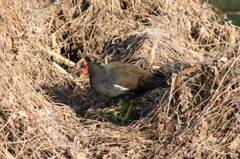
column 46, row 111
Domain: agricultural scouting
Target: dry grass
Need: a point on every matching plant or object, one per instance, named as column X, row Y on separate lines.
column 48, row 112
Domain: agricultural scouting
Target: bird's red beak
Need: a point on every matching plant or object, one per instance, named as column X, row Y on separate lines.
column 85, row 72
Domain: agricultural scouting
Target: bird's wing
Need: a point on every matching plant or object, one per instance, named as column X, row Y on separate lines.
column 120, row 87
column 107, row 88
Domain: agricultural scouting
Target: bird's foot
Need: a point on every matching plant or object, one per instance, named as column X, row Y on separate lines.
column 116, row 112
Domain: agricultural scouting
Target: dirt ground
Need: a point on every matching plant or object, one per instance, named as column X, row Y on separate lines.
column 47, row 111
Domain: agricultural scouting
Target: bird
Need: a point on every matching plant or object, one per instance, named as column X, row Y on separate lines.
column 117, row 79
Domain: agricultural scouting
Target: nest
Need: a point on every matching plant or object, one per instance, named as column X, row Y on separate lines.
column 48, row 112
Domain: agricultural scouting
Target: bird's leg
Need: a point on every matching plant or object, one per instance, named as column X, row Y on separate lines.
column 115, row 112
column 130, row 105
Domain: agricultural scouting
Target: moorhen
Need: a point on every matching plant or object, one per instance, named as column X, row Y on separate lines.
column 117, row 79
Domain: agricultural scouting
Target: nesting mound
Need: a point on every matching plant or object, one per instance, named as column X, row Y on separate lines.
column 48, row 112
